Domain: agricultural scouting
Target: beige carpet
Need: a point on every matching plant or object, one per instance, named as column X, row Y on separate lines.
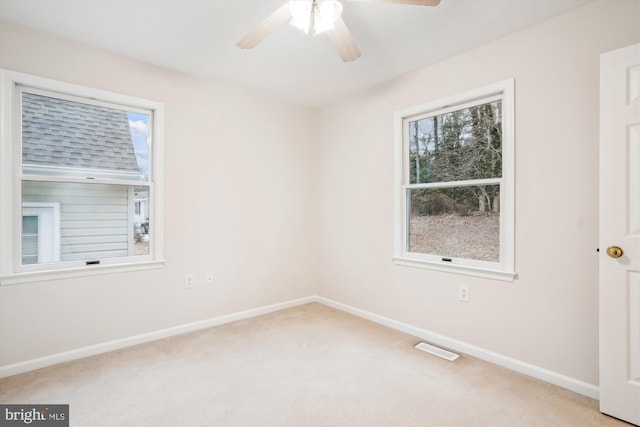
column 306, row 366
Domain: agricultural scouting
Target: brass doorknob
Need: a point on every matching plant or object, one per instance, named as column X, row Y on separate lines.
column 614, row 251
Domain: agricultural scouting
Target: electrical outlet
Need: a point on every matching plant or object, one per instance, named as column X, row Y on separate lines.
column 188, row 281
column 209, row 279
column 463, row 293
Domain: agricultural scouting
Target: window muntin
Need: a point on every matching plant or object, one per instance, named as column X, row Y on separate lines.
column 58, row 139
column 455, row 185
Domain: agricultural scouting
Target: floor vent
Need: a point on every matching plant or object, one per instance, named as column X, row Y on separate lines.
column 440, row 352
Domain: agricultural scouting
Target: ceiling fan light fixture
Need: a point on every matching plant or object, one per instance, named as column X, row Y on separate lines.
column 301, row 13
column 314, row 15
column 326, row 14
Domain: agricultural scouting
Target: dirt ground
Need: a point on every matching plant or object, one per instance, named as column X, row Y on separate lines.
column 142, row 248
column 475, row 236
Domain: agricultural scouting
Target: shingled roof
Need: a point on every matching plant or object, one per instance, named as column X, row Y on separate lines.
column 59, row 132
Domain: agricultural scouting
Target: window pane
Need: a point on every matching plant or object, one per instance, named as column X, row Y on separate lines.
column 460, row 145
column 458, row 222
column 29, row 240
column 30, row 225
column 96, row 221
column 141, row 229
column 69, row 138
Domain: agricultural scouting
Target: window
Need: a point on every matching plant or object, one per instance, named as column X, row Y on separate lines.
column 85, row 165
column 40, row 232
column 455, row 190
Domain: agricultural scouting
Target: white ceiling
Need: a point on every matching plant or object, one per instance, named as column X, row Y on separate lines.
column 199, row 36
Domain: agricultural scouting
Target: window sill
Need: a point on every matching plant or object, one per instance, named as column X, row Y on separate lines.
column 45, row 275
column 505, row 276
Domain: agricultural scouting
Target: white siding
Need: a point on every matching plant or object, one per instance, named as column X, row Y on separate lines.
column 94, row 218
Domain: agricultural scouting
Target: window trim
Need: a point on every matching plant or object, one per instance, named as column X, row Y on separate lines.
column 504, row 269
column 11, row 180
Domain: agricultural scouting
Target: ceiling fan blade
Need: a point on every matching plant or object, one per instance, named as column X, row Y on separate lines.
column 342, row 39
column 266, row 27
column 414, row 2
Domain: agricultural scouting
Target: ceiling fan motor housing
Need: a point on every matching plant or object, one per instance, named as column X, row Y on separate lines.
column 314, row 16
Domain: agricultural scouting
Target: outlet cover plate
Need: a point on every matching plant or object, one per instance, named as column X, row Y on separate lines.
column 463, row 293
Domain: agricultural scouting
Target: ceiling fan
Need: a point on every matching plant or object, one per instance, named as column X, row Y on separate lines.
column 317, row 17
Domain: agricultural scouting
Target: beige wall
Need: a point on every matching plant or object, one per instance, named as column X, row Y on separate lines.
column 236, row 197
column 549, row 316
column 239, row 170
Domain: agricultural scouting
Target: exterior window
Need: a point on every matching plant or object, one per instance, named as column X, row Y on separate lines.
column 455, row 184
column 86, row 168
column 40, row 233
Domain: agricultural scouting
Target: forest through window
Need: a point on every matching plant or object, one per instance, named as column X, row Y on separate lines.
column 455, row 151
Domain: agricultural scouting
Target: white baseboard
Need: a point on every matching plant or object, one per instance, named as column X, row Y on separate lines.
column 67, row 356
column 546, row 375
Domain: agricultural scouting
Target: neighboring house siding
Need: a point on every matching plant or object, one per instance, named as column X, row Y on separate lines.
column 94, row 218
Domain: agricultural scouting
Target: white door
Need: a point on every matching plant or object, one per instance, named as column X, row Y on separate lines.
column 620, row 227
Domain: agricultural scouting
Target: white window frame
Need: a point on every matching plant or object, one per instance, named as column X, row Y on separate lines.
column 502, row 270
column 11, row 269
